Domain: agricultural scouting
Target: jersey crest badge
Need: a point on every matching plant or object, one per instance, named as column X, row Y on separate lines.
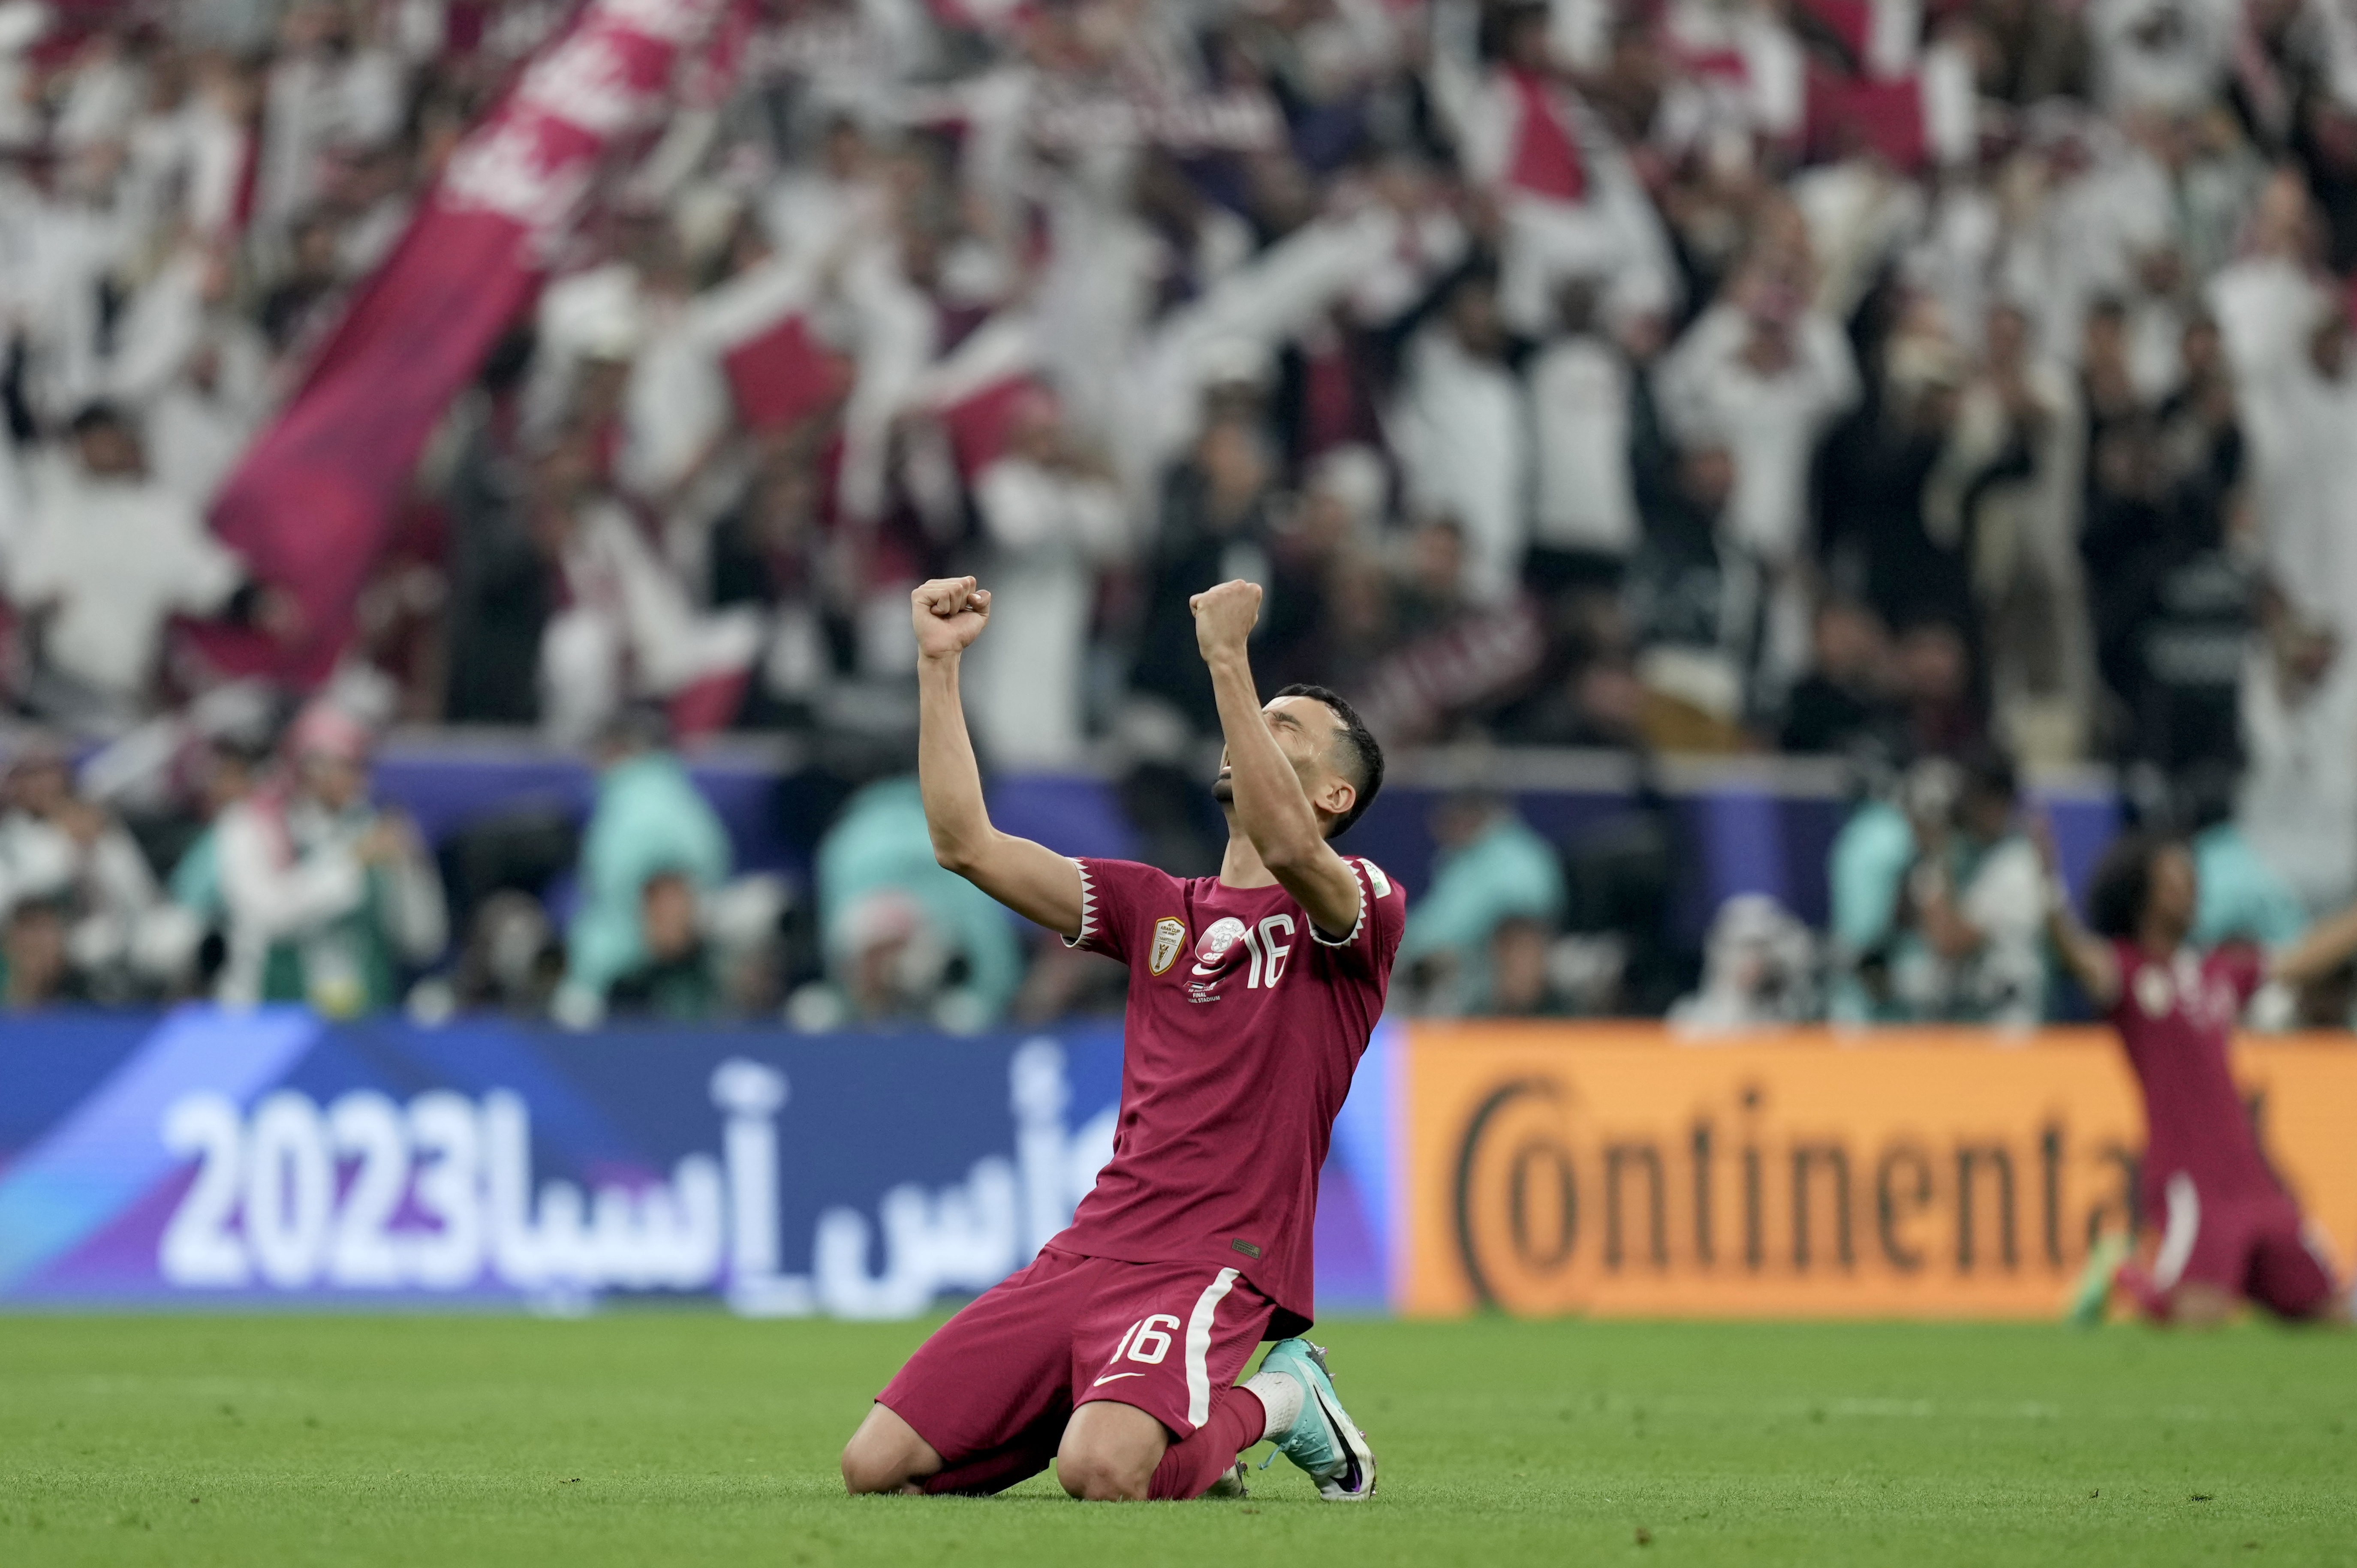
column 2153, row 992
column 1169, row 940
column 1211, row 952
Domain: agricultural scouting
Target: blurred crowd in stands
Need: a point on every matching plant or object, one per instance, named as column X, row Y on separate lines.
column 1957, row 386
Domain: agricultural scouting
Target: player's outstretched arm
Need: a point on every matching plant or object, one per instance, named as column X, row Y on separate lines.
column 2322, row 948
column 1270, row 806
column 1031, row 879
column 2087, row 955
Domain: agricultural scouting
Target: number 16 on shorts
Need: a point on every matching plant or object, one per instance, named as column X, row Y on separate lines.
column 1146, row 1342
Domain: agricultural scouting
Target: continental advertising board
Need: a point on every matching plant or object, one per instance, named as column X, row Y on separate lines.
column 1607, row 1170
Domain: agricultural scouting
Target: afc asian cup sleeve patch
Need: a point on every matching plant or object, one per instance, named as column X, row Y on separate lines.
column 1170, row 941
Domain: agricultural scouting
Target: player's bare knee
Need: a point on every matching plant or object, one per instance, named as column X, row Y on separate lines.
column 866, row 1474
column 867, row 1468
column 1109, row 1452
column 1095, row 1466
column 1095, row 1477
column 885, row 1455
column 2197, row 1306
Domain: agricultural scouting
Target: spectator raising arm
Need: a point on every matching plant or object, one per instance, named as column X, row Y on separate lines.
column 1029, row 878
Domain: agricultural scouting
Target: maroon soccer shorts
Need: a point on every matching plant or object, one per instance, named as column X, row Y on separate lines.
column 2250, row 1242
column 992, row 1390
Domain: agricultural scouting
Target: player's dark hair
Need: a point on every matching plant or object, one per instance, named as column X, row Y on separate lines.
column 2122, row 882
column 1364, row 765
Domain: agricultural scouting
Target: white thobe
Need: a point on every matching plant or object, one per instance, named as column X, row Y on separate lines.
column 1579, row 417
column 1461, row 433
column 120, row 557
column 1026, row 679
column 1769, row 424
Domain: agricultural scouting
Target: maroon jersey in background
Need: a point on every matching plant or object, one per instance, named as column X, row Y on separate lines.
column 1243, row 1028
column 2175, row 1016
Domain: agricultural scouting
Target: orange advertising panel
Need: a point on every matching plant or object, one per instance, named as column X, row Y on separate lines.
column 1608, row 1169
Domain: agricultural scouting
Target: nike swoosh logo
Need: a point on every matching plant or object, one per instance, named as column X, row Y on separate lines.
column 1111, row 1375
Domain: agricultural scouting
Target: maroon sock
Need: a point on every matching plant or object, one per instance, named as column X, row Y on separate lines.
column 1190, row 1464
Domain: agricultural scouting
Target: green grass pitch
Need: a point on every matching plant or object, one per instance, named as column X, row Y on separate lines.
column 656, row 1438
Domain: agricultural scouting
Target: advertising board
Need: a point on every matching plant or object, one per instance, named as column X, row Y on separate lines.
column 1604, row 1169
column 269, row 1158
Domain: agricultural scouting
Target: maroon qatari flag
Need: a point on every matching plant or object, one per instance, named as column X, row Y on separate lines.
column 315, row 499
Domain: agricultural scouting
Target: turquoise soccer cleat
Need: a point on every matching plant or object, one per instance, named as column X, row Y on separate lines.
column 1323, row 1439
column 2092, row 1294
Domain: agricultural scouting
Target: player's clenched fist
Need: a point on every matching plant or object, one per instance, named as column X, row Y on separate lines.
column 1224, row 616
column 949, row 613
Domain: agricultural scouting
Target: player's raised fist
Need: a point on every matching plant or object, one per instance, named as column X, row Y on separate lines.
column 949, row 613
column 1224, row 616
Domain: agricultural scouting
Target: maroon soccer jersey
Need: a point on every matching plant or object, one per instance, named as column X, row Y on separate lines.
column 1243, row 1030
column 2175, row 1016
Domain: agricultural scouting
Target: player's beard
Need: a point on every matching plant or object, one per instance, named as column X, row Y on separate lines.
column 1224, row 788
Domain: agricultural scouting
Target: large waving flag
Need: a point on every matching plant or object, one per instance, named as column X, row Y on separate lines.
column 314, row 500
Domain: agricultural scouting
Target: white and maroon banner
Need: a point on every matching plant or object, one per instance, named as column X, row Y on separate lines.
column 313, row 501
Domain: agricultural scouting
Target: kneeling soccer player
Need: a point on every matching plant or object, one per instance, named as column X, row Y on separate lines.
column 1251, row 998
column 2229, row 1231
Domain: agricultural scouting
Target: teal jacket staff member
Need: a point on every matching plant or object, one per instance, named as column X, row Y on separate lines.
column 649, row 822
